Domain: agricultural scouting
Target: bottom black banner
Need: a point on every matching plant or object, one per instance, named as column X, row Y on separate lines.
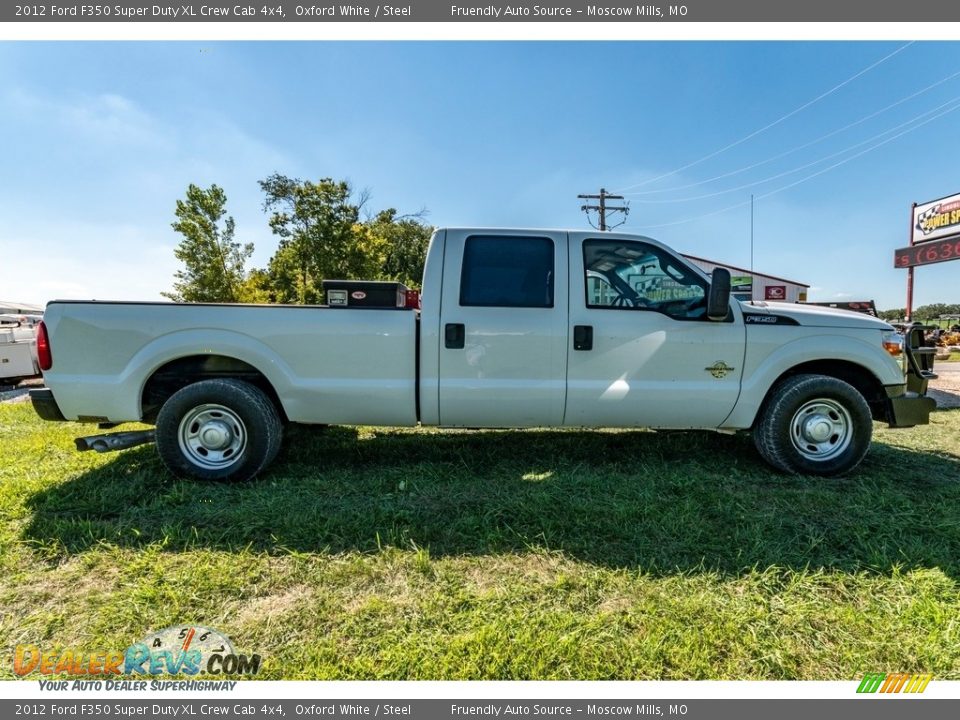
column 872, row 707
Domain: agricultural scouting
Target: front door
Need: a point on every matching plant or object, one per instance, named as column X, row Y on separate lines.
column 653, row 358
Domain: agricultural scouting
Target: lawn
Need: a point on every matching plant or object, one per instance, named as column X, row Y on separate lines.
column 415, row 554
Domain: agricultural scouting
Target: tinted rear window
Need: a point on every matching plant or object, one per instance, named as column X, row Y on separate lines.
column 506, row 271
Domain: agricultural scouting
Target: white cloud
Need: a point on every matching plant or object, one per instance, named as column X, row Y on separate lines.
column 106, row 262
column 108, row 235
column 105, row 118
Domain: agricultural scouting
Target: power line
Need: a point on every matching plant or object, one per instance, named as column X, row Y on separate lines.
column 804, row 179
column 602, row 209
column 805, row 166
column 830, row 134
column 774, row 123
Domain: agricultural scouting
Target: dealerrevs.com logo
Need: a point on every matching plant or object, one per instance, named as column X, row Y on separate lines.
column 894, row 683
column 177, row 650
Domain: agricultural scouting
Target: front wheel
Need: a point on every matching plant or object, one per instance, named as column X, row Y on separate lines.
column 814, row 424
column 220, row 429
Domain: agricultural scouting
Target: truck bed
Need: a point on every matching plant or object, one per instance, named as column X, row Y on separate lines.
column 326, row 365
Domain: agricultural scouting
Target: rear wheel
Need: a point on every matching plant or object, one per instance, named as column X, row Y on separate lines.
column 814, row 424
column 220, row 429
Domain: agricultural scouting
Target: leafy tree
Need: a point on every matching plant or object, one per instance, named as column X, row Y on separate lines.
column 934, row 311
column 213, row 262
column 406, row 241
column 256, row 288
column 316, row 223
column 924, row 313
column 322, row 237
column 892, row 315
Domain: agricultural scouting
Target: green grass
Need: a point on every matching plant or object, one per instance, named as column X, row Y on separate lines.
column 400, row 554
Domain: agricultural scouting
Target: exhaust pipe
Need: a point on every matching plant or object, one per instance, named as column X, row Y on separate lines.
column 115, row 441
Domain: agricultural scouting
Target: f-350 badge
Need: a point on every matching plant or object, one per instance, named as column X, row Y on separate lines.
column 719, row 369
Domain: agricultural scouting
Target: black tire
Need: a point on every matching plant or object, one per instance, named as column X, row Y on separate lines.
column 218, row 429
column 815, row 425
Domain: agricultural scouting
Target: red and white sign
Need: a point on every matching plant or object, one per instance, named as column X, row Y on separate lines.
column 937, row 219
column 358, row 294
column 775, row 292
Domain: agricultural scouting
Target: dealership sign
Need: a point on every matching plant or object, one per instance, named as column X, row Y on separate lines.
column 937, row 219
column 935, row 234
column 927, row 253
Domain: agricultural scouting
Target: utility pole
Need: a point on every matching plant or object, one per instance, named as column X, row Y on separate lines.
column 603, row 208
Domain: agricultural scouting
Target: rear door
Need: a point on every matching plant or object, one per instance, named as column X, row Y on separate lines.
column 644, row 353
column 503, row 329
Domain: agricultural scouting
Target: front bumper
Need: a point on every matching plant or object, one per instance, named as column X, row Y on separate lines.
column 908, row 405
column 906, row 409
column 45, row 404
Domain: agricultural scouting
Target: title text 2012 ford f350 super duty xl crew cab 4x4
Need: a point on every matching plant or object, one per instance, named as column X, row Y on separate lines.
column 519, row 328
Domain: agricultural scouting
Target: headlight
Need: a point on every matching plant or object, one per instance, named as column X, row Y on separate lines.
column 893, row 344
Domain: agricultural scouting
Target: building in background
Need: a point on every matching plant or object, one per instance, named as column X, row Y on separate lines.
column 15, row 308
column 752, row 285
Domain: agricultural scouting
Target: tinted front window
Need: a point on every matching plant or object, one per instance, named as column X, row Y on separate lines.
column 501, row 271
column 634, row 275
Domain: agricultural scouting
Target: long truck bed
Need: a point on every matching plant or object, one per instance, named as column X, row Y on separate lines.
column 325, row 365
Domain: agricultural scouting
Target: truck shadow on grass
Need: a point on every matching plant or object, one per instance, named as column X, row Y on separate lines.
column 660, row 502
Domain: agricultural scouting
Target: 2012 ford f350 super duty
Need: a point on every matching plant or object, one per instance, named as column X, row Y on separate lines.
column 519, row 328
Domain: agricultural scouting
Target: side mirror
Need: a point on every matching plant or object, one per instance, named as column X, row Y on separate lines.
column 718, row 297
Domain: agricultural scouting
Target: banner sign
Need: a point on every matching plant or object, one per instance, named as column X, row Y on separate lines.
column 741, row 287
column 927, row 253
column 936, row 220
column 741, row 283
column 889, row 696
column 460, row 11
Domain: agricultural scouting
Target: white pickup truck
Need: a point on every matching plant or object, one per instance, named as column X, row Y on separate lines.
column 518, row 328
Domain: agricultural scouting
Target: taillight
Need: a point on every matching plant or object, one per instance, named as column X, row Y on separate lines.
column 44, row 356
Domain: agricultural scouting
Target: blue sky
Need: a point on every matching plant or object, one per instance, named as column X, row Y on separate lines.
column 102, row 138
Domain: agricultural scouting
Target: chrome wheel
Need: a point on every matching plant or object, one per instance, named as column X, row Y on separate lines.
column 212, row 436
column 821, row 429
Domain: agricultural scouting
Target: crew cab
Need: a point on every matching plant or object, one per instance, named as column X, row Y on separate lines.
column 517, row 329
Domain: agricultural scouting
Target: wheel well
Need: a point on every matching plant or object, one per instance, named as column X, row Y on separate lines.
column 177, row 374
column 864, row 381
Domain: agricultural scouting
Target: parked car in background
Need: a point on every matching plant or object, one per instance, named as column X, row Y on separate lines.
column 18, row 347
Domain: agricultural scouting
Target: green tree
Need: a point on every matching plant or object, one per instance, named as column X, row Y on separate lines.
column 322, row 237
column 406, row 240
column 256, row 288
column 892, row 315
column 213, row 262
column 933, row 311
column 317, row 226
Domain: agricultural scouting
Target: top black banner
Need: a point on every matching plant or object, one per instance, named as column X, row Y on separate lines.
column 620, row 11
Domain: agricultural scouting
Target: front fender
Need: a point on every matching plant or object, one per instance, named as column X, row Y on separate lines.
column 772, row 352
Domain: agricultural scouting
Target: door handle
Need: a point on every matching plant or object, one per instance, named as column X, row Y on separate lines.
column 454, row 335
column 583, row 337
